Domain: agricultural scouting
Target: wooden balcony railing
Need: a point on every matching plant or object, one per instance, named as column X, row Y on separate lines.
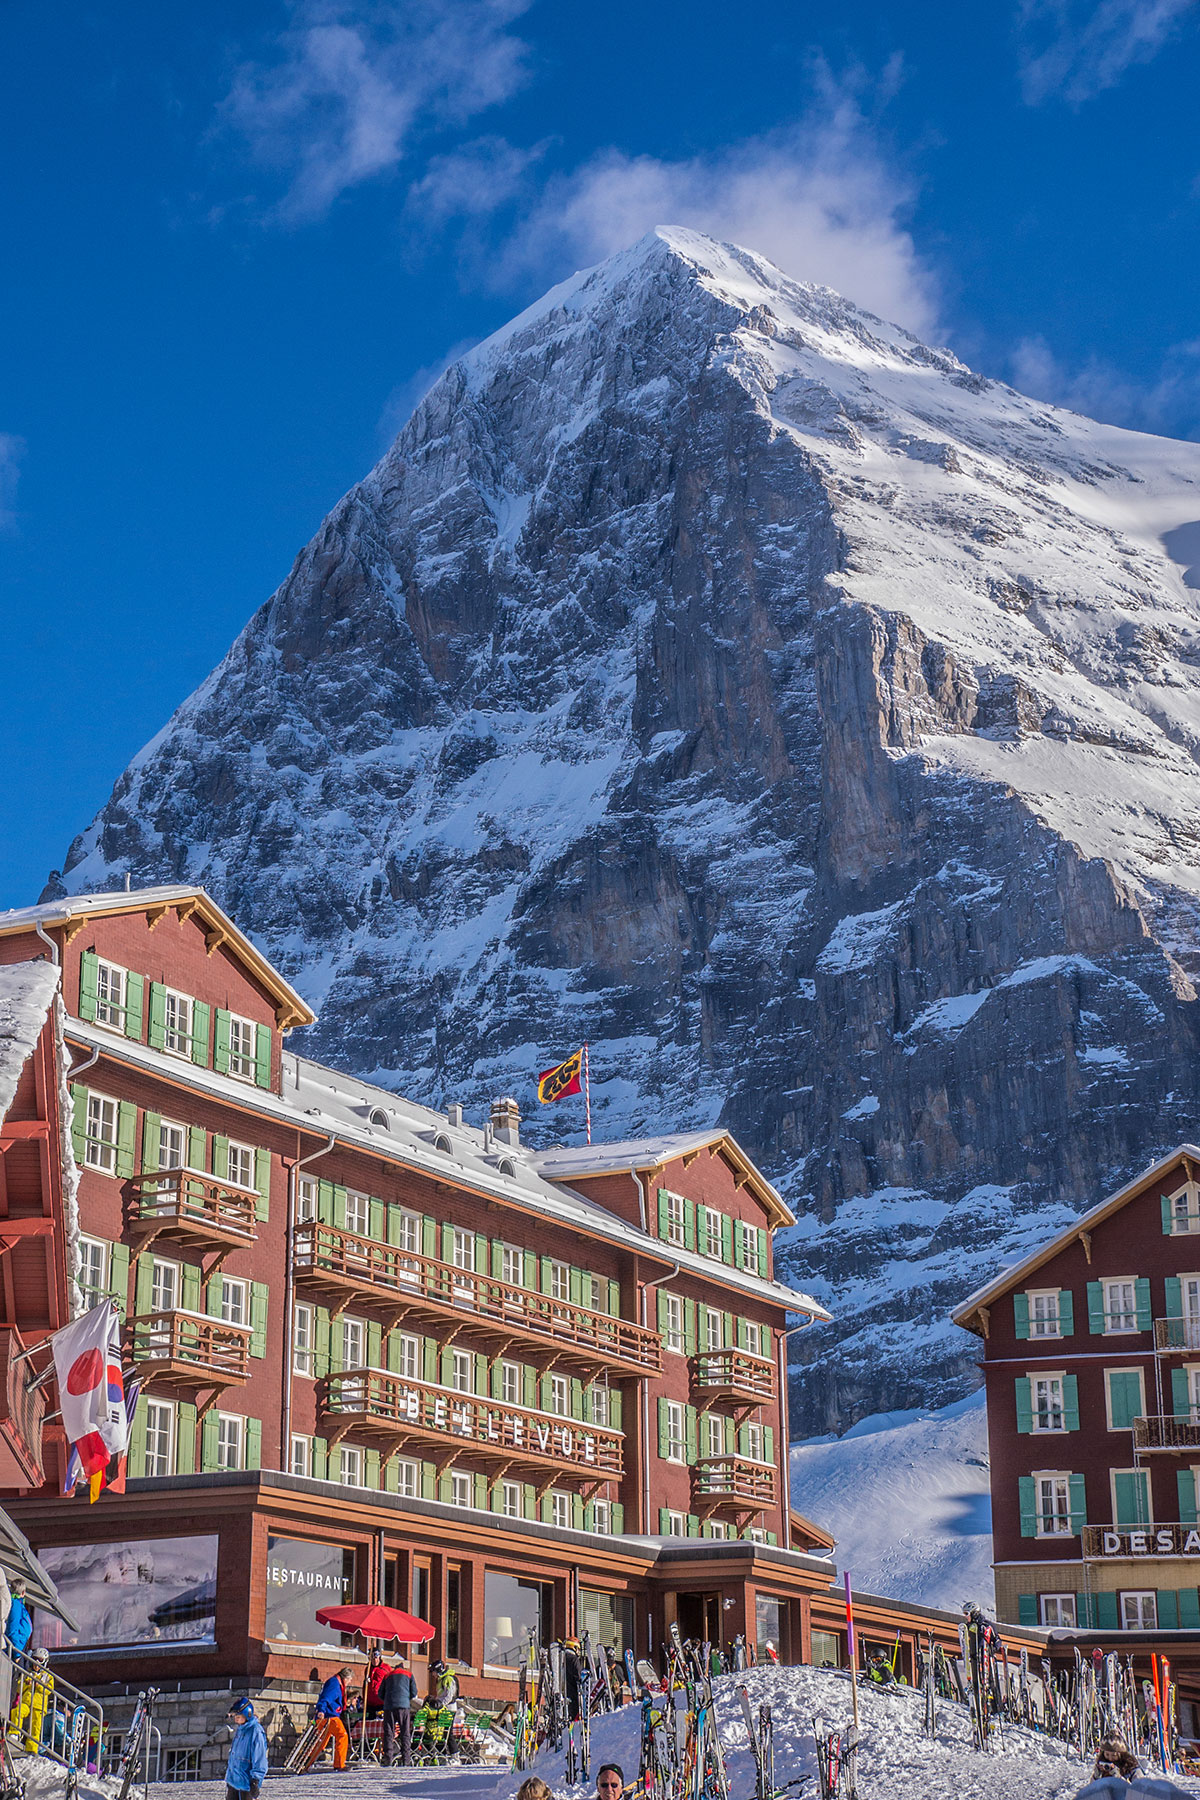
column 735, row 1373
column 1167, row 1433
column 1177, row 1334
column 1118, row 1543
column 396, row 1409
column 734, row 1479
column 189, row 1349
column 193, row 1208
column 341, row 1261
column 21, row 1416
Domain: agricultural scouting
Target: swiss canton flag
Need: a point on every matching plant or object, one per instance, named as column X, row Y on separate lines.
column 91, row 1393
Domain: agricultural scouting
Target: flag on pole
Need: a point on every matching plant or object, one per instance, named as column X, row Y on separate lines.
column 96, row 1483
column 91, row 1389
column 567, row 1078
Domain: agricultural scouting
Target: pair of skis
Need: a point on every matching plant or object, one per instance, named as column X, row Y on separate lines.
column 762, row 1745
column 137, row 1740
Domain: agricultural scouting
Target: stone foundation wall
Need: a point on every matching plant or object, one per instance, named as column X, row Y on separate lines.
column 194, row 1718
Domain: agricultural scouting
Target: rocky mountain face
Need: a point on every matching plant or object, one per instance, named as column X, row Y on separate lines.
column 712, row 671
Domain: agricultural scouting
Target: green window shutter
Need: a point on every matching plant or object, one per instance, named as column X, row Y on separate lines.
column 577, row 1511
column 1185, row 1481
column 1095, row 1294
column 221, row 1043
column 151, row 1121
column 614, row 1408
column 87, row 984
column 185, row 1442
column 1144, row 1311
column 79, row 1100
column 391, row 1476
column 320, row 1459
column 1189, row 1609
column 220, row 1166
column 126, row 1138
column 377, row 1228
column 158, row 1015
column 769, row 1444
column 661, row 1299
column 497, row 1262
column 727, row 1338
column 739, row 1246
column 528, row 1500
column 429, row 1361
column 761, row 1235
column 690, row 1433
column 190, row 1288
column 1027, row 1609
column 254, row 1443
column 143, row 1287
column 1021, row 1314
column 137, row 1442
column 197, row 1147
column 118, row 1275
column 726, row 1238
column 689, row 1327
column 764, row 1340
column 447, row 1368
column 374, row 1344
column 212, row 1297
column 544, row 1393
column 371, row 1468
column 1174, row 1297
column 1104, row 1610
column 689, row 1225
column 576, row 1398
column 1027, row 1490
column 730, row 1437
column 393, row 1226
column 1181, row 1400
column 664, row 1523
column 530, row 1263
column 664, row 1437
column 262, row 1183
column 1168, row 1609
column 325, row 1202
column 614, row 1299
column 1166, row 1216
column 339, row 1206
column 200, row 1023
column 663, row 1213
column 1071, row 1402
column 618, row 1518
column 575, row 1286
column 1066, row 1313
column 259, row 1294
column 546, row 1261
column 1078, row 1492
column 1024, row 1405
column 262, row 1057
column 321, row 1337
column 693, row 1525
column 481, row 1373
column 208, row 1442
column 481, row 1253
column 739, row 1335
column 1084, row 1610
column 135, row 989
column 743, row 1448
column 1124, row 1397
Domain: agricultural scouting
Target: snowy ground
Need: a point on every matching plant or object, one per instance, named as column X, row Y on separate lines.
column 906, row 1495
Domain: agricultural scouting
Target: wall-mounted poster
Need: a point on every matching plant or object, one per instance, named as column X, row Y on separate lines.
column 161, row 1590
column 302, row 1577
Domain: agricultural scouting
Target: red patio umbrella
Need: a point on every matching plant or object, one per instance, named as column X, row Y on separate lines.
column 372, row 1621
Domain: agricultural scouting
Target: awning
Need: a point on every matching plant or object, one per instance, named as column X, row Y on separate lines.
column 20, row 1564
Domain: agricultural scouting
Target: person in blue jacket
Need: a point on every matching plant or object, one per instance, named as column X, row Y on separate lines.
column 18, row 1627
column 331, row 1705
column 246, row 1769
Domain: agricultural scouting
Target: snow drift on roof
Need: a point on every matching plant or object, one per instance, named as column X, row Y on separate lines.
column 26, row 993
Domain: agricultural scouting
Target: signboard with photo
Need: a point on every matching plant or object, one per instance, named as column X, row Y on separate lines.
column 160, row 1590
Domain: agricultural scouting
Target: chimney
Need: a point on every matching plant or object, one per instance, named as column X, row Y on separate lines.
column 454, row 1114
column 506, row 1121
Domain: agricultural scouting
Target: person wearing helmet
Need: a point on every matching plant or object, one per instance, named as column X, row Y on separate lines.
column 246, row 1769
column 36, row 1687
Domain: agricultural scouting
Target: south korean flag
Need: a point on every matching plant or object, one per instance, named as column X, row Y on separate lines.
column 91, row 1391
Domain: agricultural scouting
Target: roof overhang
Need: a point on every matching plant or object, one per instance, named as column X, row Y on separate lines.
column 19, row 1563
column 717, row 1143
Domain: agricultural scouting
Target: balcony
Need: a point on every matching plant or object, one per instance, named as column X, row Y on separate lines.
column 1123, row 1543
column 467, row 1429
column 733, row 1375
column 21, row 1415
column 1176, row 1334
column 343, row 1267
column 733, row 1481
column 186, row 1349
column 189, row 1207
column 1166, row 1434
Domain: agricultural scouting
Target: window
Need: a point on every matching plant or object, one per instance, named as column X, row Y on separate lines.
column 1046, row 1392
column 240, row 1165
column 674, row 1440
column 560, row 1508
column 674, row 1218
column 754, row 1443
column 353, row 1343
column 602, row 1517
column 233, row 1301
column 181, row 1765
column 510, row 1499
column 673, row 1322
column 306, row 1199
column 351, row 1466
column 711, row 1240
column 164, row 1286
column 172, row 1144
column 230, row 1436
column 560, row 1281
column 1057, row 1609
column 358, row 1213
column 93, row 1268
column 1054, row 1506
column 560, row 1395
column 1183, row 1210
column 676, row 1523
column 1124, row 1397
column 111, row 994
column 177, row 1023
column 1044, row 1318
column 510, row 1383
column 1139, row 1610
column 717, row 1528
column 301, row 1456
column 101, row 1150
column 595, row 1293
column 714, row 1435
column 408, row 1477
column 601, row 1406
column 160, row 1437
column 460, row 1489
column 1189, row 1300
column 303, row 1352
column 512, row 1265
column 406, row 1355
column 1120, row 1306
column 753, row 1338
column 1130, row 1498
column 464, row 1249
column 757, row 1534
column 462, row 1376
column 749, row 1241
column 407, row 1227
column 714, row 1328
column 243, row 1048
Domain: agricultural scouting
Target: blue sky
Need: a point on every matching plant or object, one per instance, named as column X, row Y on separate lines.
column 240, row 239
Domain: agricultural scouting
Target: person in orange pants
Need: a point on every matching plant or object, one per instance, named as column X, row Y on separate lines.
column 331, row 1706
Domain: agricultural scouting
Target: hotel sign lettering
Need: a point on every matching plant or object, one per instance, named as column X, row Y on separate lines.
column 1150, row 1540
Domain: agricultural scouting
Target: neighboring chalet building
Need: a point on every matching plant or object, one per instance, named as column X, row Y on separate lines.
column 384, row 1354
column 1091, row 1354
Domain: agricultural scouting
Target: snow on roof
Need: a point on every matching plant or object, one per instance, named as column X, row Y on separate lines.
column 27, row 992
column 563, row 1164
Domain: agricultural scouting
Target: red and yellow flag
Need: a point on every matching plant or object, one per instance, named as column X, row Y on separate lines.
column 567, row 1078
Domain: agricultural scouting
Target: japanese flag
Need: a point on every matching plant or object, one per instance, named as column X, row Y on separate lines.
column 91, row 1393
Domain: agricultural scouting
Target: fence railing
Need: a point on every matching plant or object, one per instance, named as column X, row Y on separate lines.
column 734, row 1478
column 205, row 1346
column 45, row 1713
column 195, row 1203
column 1166, row 1433
column 735, row 1372
column 1177, row 1334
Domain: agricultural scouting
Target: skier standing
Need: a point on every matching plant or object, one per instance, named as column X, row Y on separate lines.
column 246, row 1769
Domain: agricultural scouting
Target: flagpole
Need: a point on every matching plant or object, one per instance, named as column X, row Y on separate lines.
column 587, row 1094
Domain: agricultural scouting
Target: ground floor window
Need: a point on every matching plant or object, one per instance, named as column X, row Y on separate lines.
column 181, row 1765
column 1057, row 1609
column 608, row 1617
column 133, row 1593
column 455, row 1635
column 826, row 1650
column 301, row 1456
column 514, row 1608
column 1139, row 1610
column 302, row 1577
column 768, row 1616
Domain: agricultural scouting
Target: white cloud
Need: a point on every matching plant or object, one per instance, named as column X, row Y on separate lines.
column 477, row 178
column 349, row 86
column 1168, row 404
column 1078, row 50
column 11, row 450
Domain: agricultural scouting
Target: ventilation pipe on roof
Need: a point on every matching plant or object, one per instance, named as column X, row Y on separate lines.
column 455, row 1115
column 289, row 1309
column 506, row 1120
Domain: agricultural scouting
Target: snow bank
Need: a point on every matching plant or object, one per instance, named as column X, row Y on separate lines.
column 26, row 992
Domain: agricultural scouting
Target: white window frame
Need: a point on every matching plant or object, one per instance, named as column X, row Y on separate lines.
column 1053, row 1380
column 105, row 970
column 510, row 1383
column 674, row 1337
column 235, row 1300
column 676, row 1523
column 162, row 1417
column 462, row 1371
column 172, row 1144
column 244, row 1155
column 353, row 1328
column 100, row 1149
column 408, row 1477
column 602, row 1517
column 462, row 1488
column 756, row 1442
column 410, row 1355
column 714, row 1431
column 408, row 1231
column 161, row 1284
column 512, row 1265
column 1047, row 1323
column 749, row 1241
column 753, row 1337
column 676, row 1432
column 1057, row 1610
column 304, row 1349
column 1189, row 1290
column 1062, row 1479
column 1185, row 1218
column 601, row 1404
column 560, row 1509
column 97, row 1251
column 597, row 1294
column 307, row 1199
column 1120, row 1281
column 350, row 1466
column 1129, row 1369
column 463, row 1250
column 560, row 1281
column 714, row 1329
column 560, row 1396
column 717, row 1528
column 301, row 1458
column 713, row 1246
column 231, row 1441
column 757, row 1534
column 1145, row 1602
column 510, row 1499
column 358, row 1213
column 243, row 1063
column 676, row 1219
column 184, row 1007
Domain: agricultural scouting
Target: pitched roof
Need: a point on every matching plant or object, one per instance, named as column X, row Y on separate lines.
column 1008, row 1278
column 75, row 910
column 27, row 993
column 648, row 1154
